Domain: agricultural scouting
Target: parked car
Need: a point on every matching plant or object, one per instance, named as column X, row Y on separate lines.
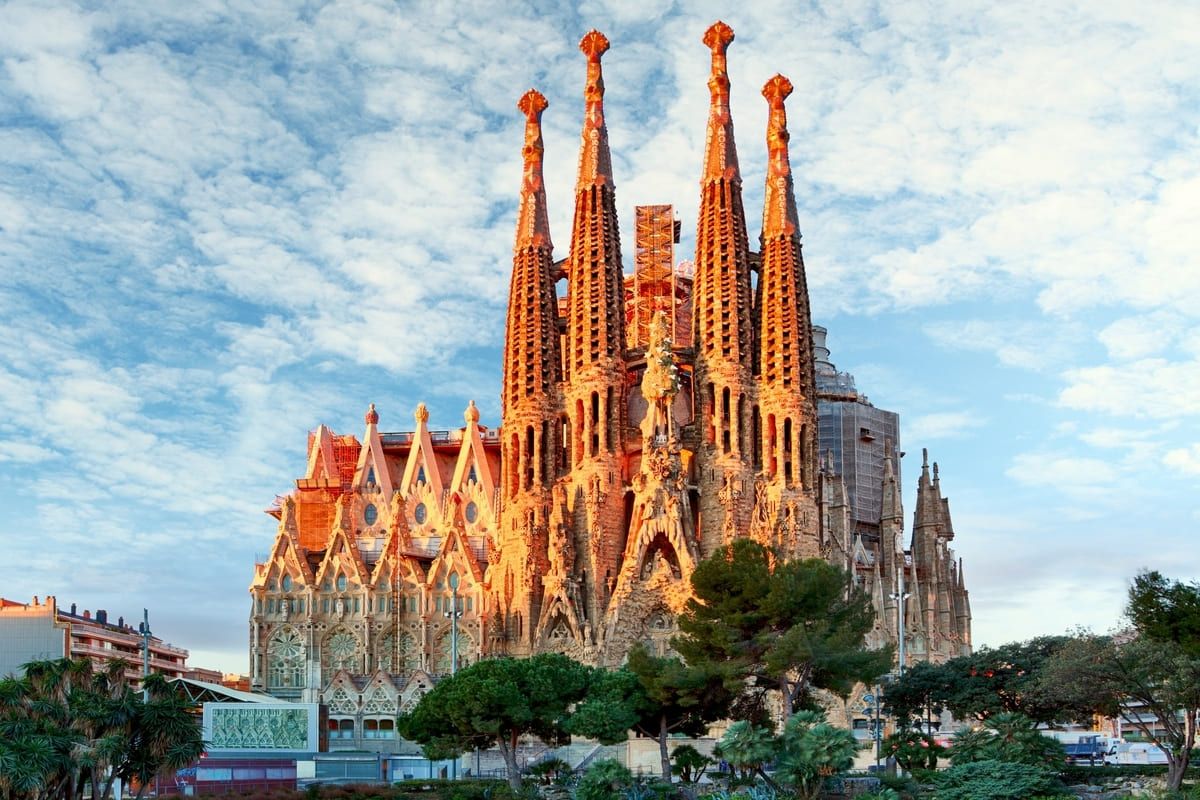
column 1135, row 753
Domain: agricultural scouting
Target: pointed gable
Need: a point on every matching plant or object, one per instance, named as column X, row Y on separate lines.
column 372, row 468
column 422, row 465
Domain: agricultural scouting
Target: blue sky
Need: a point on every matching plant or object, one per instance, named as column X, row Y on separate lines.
column 224, row 223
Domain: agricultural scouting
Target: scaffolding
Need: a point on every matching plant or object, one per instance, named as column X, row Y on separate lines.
column 656, row 284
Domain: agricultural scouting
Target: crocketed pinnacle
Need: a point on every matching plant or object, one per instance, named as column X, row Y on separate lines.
column 779, row 204
column 533, row 225
column 785, row 322
column 595, row 321
column 720, row 155
column 723, row 331
column 595, row 160
column 531, row 353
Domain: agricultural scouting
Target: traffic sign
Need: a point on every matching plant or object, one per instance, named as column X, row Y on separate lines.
column 869, row 699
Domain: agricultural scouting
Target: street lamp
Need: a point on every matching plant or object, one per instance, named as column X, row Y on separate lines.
column 453, row 614
column 144, row 629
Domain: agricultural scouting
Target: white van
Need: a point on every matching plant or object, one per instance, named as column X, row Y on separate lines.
column 1135, row 753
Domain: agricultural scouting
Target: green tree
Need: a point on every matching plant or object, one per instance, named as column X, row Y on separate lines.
column 1140, row 680
column 689, row 763
column 606, row 779
column 990, row 681
column 811, row 750
column 1151, row 673
column 920, row 692
column 1008, row 737
column 747, row 748
column 65, row 727
column 996, row 780
column 657, row 697
column 913, row 749
column 496, row 702
column 785, row 625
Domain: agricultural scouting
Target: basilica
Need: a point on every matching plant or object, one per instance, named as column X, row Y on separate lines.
column 647, row 419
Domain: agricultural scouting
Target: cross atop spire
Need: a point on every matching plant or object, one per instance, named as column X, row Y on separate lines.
column 595, row 160
column 533, row 225
column 720, row 154
column 779, row 205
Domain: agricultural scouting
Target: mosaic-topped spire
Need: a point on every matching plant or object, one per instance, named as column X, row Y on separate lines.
column 595, row 159
column 720, row 154
column 533, row 225
column 596, row 334
column 779, row 203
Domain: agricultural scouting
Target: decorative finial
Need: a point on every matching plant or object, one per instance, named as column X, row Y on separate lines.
column 935, row 471
column 924, row 457
column 776, row 90
column 594, row 44
column 372, row 417
column 533, row 224
column 421, row 415
column 718, row 36
column 471, row 415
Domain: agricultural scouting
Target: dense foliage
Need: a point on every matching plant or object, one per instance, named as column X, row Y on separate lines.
column 67, row 730
column 496, row 702
column 657, row 697
column 784, row 625
column 995, row 780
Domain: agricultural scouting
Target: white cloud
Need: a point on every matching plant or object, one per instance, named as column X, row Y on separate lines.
column 1150, row 387
column 1184, row 459
column 941, row 425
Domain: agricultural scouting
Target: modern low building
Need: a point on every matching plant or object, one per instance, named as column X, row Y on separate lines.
column 41, row 630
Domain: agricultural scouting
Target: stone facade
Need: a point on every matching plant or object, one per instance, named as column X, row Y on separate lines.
column 574, row 527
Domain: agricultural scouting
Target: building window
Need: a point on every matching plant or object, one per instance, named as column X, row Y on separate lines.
column 472, row 510
column 420, row 513
column 341, row 583
column 370, row 513
column 285, row 660
column 286, row 583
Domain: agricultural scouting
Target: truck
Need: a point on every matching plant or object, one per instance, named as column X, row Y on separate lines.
column 1135, row 753
column 1090, row 749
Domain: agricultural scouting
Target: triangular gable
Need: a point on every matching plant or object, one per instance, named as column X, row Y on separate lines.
column 320, row 455
column 472, row 458
column 422, row 461
column 341, row 554
column 285, row 551
column 287, row 541
column 455, row 556
column 372, row 468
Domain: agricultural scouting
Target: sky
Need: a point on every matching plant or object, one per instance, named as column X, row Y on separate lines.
column 224, row 223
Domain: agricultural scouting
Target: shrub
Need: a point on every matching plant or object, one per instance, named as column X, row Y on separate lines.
column 995, row 780
column 913, row 749
column 606, row 779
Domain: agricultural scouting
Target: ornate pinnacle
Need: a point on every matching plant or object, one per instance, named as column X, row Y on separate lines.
column 717, row 38
column 533, row 226
column 372, row 417
column 595, row 161
column 720, row 157
column 471, row 415
column 594, row 44
column 421, row 415
column 779, row 203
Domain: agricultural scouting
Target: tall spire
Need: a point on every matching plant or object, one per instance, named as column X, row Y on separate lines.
column 720, row 153
column 594, row 384
column 779, row 204
column 533, row 225
column 531, row 349
column 595, row 160
column 722, row 284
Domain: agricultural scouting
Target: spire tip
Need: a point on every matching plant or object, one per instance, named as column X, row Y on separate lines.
column 594, row 44
column 532, row 104
column 718, row 36
column 776, row 90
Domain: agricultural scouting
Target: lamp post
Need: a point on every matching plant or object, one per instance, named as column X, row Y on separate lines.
column 144, row 629
column 453, row 614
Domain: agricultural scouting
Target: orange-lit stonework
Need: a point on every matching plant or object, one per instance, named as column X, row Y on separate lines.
column 625, row 453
